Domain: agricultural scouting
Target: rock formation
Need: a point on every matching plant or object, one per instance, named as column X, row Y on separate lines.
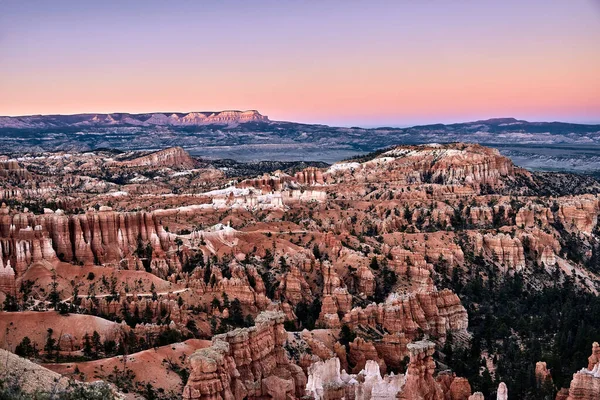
column 420, row 383
column 96, row 237
column 502, row 393
column 174, row 157
column 361, row 352
column 477, row 396
column 503, row 249
column 434, row 313
column 580, row 214
column 542, row 374
column 246, row 363
column 213, row 250
column 12, row 169
column 326, row 381
column 310, row 176
column 454, row 388
column 586, row 383
column 448, row 165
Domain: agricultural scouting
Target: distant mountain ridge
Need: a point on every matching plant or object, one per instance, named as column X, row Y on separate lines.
column 123, row 119
column 250, row 136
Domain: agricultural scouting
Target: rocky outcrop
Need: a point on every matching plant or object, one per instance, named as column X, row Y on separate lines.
column 336, row 298
column 435, row 313
column 502, row 249
column 420, row 383
column 236, row 287
column 206, row 118
column 326, row 381
column 362, row 351
column 532, row 214
column 142, row 307
column 594, row 359
column 96, row 237
column 454, row 164
column 12, row 169
column 246, row 363
column 366, row 280
column 586, row 383
column 294, row 287
column 310, row 176
column 502, row 393
column 268, row 182
column 174, row 157
column 460, row 389
column 23, row 241
column 580, row 214
column 477, row 396
column 127, row 119
column 392, row 348
column 542, row 374
column 454, row 388
column 7, row 279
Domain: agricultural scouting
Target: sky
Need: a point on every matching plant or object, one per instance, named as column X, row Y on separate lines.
column 345, row 62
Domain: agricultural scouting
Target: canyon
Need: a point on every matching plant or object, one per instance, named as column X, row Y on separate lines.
column 378, row 277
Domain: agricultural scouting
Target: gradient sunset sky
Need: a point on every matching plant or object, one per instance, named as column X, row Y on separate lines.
column 335, row 62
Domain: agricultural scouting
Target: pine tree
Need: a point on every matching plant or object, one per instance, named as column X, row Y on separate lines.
column 236, row 315
column 153, row 291
column 207, row 273
column 54, row 296
column 10, row 303
column 50, row 346
column 87, row 346
column 25, row 348
column 215, row 304
column 226, row 303
column 96, row 344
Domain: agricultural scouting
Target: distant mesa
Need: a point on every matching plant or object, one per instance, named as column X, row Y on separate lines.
column 228, row 117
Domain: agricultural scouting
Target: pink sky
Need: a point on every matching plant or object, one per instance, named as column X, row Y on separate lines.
column 335, row 62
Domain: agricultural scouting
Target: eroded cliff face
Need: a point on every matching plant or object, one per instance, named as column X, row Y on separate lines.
column 174, row 157
column 435, row 313
column 246, row 363
column 455, row 164
column 503, row 249
column 13, row 170
column 96, row 237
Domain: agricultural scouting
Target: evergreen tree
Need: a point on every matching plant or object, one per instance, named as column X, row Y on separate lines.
column 88, row 351
column 25, row 348
column 54, row 296
column 96, row 343
column 236, row 316
column 10, row 303
column 207, row 273
column 153, row 291
column 50, row 345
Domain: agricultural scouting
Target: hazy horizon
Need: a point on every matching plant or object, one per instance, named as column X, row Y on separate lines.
column 341, row 124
